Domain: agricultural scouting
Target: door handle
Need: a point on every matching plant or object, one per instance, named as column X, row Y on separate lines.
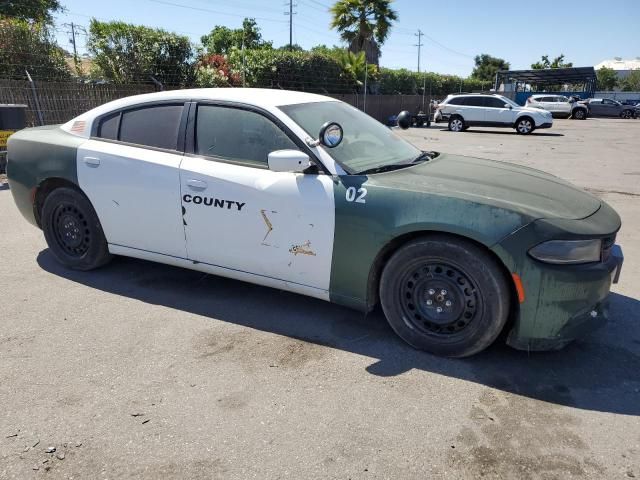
column 92, row 161
column 196, row 184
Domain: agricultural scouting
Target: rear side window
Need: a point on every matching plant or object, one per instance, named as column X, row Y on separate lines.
column 474, row 102
column 236, row 134
column 108, row 127
column 456, row 101
column 155, row 126
column 493, row 102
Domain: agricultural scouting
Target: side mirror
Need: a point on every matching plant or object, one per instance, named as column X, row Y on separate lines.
column 288, row 161
column 509, row 106
column 331, row 134
column 404, row 120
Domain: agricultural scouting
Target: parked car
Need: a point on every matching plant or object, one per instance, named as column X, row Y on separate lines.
column 606, row 107
column 483, row 110
column 307, row 194
column 558, row 105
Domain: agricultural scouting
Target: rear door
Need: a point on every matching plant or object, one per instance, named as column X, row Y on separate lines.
column 473, row 110
column 129, row 169
column 596, row 107
column 244, row 218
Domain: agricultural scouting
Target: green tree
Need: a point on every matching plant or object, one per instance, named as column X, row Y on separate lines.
column 557, row 62
column 223, row 39
column 293, row 48
column 607, row 78
column 363, row 24
column 334, row 51
column 126, row 53
column 30, row 10
column 487, row 67
column 30, row 46
column 631, row 83
column 355, row 65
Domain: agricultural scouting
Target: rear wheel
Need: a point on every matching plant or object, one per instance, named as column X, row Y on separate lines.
column 579, row 114
column 72, row 230
column 445, row 295
column 524, row 126
column 456, row 124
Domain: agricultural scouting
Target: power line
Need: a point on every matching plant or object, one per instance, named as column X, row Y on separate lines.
column 190, row 7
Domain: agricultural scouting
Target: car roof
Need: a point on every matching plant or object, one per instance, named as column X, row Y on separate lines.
column 262, row 97
column 259, row 97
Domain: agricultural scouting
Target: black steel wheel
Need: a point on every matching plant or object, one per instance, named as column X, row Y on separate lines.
column 72, row 230
column 445, row 295
column 439, row 298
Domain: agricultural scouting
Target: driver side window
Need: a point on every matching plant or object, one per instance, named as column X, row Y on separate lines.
column 238, row 135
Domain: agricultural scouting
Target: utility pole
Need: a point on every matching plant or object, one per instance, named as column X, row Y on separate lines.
column 75, row 30
column 291, row 13
column 419, row 44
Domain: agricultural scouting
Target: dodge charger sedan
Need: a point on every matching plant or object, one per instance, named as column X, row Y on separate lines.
column 305, row 193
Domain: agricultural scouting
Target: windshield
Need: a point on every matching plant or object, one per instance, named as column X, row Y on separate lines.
column 367, row 144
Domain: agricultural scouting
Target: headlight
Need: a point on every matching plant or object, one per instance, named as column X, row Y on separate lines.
column 568, row 251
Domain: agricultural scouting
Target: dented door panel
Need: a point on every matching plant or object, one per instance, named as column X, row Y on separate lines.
column 275, row 224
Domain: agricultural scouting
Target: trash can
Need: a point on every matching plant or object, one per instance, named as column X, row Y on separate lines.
column 12, row 118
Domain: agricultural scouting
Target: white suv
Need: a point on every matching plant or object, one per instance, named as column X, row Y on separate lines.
column 481, row 110
column 558, row 105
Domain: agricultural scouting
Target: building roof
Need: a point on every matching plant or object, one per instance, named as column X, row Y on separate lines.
column 617, row 63
column 550, row 76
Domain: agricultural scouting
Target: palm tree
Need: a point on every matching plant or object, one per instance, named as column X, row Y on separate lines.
column 363, row 24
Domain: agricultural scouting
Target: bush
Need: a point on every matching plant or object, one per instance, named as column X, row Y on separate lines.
column 310, row 72
column 30, row 46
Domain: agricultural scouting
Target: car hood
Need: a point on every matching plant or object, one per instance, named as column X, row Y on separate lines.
column 523, row 190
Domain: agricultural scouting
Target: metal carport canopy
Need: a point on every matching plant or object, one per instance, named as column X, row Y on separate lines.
column 550, row 76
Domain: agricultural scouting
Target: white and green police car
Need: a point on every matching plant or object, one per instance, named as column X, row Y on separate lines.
column 305, row 193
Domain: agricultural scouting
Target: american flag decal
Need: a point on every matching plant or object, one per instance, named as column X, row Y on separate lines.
column 78, row 126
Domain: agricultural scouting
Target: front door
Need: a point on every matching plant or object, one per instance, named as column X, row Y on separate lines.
column 241, row 216
column 130, row 170
column 497, row 111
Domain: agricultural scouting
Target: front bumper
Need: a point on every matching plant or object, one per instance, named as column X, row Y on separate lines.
column 545, row 125
column 561, row 302
column 570, row 306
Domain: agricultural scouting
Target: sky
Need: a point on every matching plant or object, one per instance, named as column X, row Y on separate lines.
column 585, row 31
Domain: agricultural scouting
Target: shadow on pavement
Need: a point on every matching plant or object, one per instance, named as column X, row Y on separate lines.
column 600, row 373
column 507, row 131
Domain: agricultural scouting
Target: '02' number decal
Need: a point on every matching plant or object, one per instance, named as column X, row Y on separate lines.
column 357, row 196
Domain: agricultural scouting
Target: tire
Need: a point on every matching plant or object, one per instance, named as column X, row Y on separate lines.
column 525, row 125
column 455, row 275
column 72, row 230
column 626, row 114
column 456, row 124
column 579, row 114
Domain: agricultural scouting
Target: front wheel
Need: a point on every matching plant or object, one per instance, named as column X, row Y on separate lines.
column 626, row 114
column 456, row 124
column 524, row 126
column 445, row 295
column 72, row 230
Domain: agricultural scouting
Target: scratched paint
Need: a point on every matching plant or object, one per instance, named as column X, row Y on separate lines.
column 267, row 223
column 304, row 249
